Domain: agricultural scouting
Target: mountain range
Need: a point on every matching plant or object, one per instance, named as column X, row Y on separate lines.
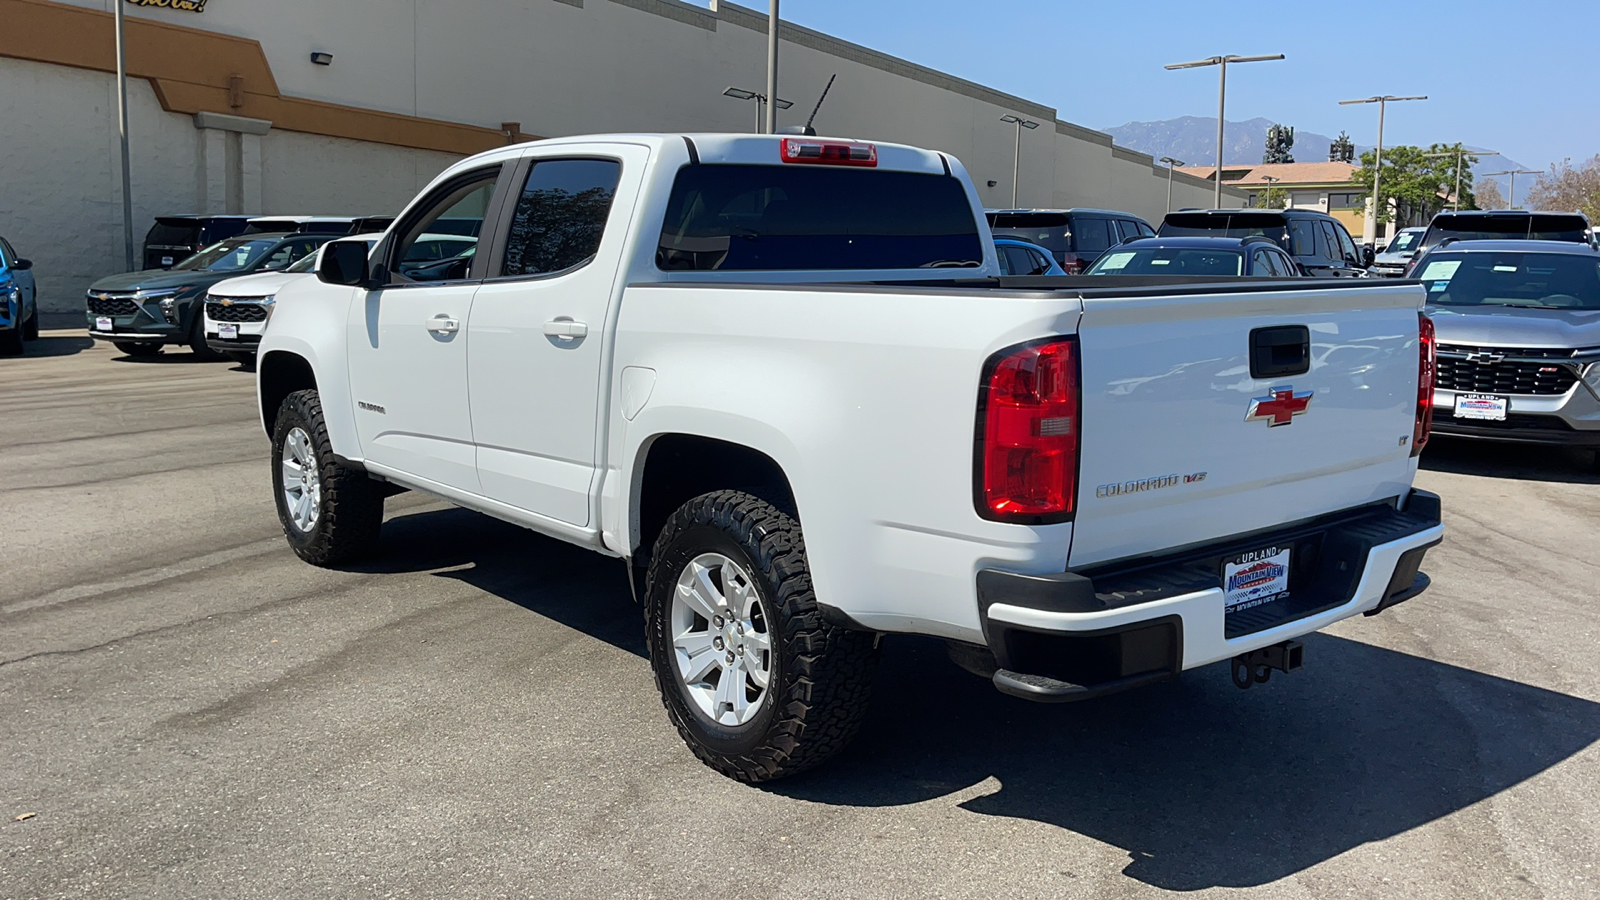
column 1194, row 140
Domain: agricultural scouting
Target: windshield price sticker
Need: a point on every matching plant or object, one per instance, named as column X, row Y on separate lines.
column 1441, row 270
column 1488, row 407
column 1117, row 260
column 1255, row 579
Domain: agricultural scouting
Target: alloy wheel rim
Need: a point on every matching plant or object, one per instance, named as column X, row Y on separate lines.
column 721, row 647
column 302, row 484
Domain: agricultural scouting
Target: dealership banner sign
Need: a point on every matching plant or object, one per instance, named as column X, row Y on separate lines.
column 185, row 5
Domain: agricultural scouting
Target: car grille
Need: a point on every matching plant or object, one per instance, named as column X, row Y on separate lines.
column 112, row 306
column 1519, row 373
column 237, row 312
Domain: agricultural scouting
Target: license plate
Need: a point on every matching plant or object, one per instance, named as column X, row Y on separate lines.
column 1255, row 578
column 102, row 323
column 166, row 260
column 1490, row 407
column 228, row 332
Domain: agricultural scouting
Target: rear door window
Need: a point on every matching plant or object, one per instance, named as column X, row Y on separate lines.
column 1346, row 245
column 1092, row 234
column 174, row 233
column 1303, row 238
column 726, row 217
column 560, row 215
column 1328, row 247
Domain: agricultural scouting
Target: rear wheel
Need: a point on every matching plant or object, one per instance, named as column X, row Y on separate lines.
column 137, row 348
column 330, row 513
column 757, row 684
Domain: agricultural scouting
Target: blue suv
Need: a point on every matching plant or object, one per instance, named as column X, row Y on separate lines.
column 19, row 301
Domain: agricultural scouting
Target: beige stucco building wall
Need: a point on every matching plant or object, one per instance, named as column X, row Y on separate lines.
column 557, row 67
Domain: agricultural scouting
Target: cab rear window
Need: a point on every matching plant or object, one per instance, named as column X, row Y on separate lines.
column 724, row 217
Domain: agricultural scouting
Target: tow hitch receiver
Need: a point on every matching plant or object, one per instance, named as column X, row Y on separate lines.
column 1256, row 666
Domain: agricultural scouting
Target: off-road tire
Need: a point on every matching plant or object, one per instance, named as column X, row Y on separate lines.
column 821, row 675
column 351, row 512
column 140, row 349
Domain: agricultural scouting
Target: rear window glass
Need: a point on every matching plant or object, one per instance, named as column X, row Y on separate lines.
column 1235, row 225
column 1510, row 226
column 1052, row 231
column 1531, row 280
column 174, row 233
column 1168, row 261
column 765, row 218
column 1093, row 234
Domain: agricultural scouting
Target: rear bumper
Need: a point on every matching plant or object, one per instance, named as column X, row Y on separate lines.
column 1075, row 635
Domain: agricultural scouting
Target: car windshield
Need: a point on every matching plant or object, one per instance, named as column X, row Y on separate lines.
column 303, row 264
column 1530, row 280
column 1052, row 231
column 1237, row 225
column 227, row 256
column 1405, row 240
column 1169, row 261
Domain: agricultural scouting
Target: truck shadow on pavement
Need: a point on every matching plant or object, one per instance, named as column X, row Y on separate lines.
column 1525, row 462
column 58, row 345
column 1202, row 784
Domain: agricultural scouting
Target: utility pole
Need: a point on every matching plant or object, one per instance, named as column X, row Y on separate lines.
column 1511, row 196
column 771, row 124
column 1171, row 164
column 1377, row 168
column 1222, row 99
column 1016, row 159
column 1459, row 153
column 122, row 130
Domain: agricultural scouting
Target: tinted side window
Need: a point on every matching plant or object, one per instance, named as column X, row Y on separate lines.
column 1346, row 245
column 1041, row 263
column 1261, row 264
column 1303, row 237
column 560, row 215
column 1144, row 230
column 462, row 205
column 1092, row 234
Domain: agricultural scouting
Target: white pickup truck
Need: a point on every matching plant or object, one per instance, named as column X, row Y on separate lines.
column 781, row 378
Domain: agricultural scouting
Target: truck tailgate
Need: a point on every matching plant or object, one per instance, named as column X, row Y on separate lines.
column 1176, row 450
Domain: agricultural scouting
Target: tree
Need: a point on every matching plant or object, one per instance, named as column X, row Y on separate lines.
column 1274, row 197
column 1487, row 196
column 1416, row 184
column 1569, row 188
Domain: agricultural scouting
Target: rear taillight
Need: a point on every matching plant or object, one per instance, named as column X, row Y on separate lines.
column 828, row 153
column 1073, row 264
column 1027, row 462
column 1425, row 371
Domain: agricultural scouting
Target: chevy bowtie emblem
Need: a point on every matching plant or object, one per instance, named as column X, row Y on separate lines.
column 1486, row 359
column 226, row 301
column 1280, row 407
column 103, row 295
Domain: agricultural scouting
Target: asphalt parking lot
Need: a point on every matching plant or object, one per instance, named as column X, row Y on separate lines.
column 186, row 710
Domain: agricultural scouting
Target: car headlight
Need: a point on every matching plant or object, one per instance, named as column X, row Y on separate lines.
column 270, row 301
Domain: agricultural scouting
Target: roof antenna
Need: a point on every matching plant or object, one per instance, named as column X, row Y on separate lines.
column 806, row 129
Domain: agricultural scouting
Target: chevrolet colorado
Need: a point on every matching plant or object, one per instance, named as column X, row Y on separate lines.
column 782, row 379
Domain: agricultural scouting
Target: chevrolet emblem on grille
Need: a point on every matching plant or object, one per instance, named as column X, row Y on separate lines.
column 1486, row 359
column 226, row 301
column 103, row 295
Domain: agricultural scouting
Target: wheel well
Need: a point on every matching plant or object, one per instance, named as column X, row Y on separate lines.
column 279, row 375
column 680, row 467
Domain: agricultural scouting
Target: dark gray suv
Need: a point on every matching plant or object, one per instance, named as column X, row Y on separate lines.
column 1518, row 331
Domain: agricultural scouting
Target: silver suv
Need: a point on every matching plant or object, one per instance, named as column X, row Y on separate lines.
column 1518, row 331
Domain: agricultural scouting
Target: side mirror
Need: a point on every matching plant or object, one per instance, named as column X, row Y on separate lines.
column 343, row 262
column 1367, row 255
column 22, row 265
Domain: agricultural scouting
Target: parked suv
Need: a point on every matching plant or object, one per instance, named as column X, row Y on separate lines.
column 140, row 312
column 237, row 310
column 1518, row 326
column 1506, row 225
column 19, row 301
column 1316, row 240
column 1253, row 257
column 1395, row 258
column 1075, row 237
column 172, row 239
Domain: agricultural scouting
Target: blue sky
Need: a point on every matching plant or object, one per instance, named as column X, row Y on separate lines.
column 1520, row 79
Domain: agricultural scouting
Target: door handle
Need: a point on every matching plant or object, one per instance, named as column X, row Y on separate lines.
column 566, row 329
column 443, row 324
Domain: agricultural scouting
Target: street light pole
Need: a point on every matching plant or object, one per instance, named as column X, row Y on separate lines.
column 122, row 130
column 1171, row 164
column 771, row 124
column 1016, row 159
column 1270, row 180
column 761, row 103
column 1511, row 197
column 1377, row 168
column 1459, row 153
column 1222, row 98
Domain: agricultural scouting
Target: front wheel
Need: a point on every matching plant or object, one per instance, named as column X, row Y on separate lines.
column 330, row 513
column 757, row 684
